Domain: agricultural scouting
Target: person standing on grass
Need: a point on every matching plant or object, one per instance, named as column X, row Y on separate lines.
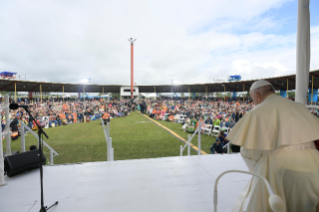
column 14, row 127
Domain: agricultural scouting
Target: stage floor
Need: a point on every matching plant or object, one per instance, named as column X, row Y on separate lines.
column 172, row 184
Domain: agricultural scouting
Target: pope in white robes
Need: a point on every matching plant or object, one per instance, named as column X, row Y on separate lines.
column 276, row 140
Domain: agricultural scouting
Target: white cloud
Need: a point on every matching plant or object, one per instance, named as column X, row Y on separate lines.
column 258, row 70
column 193, row 41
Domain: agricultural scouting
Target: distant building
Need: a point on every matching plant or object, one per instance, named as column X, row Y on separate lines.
column 234, row 78
column 8, row 75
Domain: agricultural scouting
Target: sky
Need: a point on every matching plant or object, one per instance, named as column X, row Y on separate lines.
column 189, row 41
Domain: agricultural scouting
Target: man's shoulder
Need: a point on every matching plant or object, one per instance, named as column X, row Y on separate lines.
column 275, row 102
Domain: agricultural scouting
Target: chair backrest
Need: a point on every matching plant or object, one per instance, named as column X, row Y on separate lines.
column 208, row 126
column 227, row 129
column 216, row 127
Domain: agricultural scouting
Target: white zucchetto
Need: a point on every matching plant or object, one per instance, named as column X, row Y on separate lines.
column 258, row 84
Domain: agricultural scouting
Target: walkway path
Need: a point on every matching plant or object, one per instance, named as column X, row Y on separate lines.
column 175, row 135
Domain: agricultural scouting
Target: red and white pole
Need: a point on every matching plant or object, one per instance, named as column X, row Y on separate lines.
column 132, row 67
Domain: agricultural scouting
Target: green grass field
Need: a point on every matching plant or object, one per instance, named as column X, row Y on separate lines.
column 85, row 142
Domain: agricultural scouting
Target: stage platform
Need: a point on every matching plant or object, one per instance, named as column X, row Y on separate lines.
column 171, row 184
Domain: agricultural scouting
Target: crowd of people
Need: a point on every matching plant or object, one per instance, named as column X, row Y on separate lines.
column 54, row 114
column 209, row 112
column 190, row 113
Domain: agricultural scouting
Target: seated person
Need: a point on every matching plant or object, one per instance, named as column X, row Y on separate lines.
column 225, row 141
column 53, row 122
column 216, row 121
column 80, row 116
column 58, row 120
column 170, row 118
column 208, row 120
column 232, row 123
column 187, row 123
column 223, row 138
column 75, row 117
column 69, row 117
column 63, row 119
column 191, row 127
column 224, row 124
column 217, row 147
column 153, row 114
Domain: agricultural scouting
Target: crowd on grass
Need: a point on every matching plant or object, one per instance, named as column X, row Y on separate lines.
column 190, row 113
column 54, row 114
column 212, row 113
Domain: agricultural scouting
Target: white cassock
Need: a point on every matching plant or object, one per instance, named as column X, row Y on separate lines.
column 276, row 140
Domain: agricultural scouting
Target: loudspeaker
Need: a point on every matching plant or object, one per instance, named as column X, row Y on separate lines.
column 18, row 163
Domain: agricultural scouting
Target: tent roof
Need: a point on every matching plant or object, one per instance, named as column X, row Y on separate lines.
column 279, row 82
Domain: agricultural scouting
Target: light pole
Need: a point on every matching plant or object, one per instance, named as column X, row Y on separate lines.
column 131, row 40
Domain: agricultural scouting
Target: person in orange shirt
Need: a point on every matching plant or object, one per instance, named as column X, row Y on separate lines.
column 75, row 117
column 106, row 117
column 153, row 113
column 63, row 118
column 165, row 109
column 201, row 120
column 62, row 115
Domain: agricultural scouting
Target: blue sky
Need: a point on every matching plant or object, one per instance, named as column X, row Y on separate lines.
column 193, row 41
column 283, row 20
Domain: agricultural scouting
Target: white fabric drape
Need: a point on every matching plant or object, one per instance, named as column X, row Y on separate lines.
column 303, row 51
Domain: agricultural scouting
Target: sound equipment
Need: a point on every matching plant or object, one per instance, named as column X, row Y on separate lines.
column 18, row 163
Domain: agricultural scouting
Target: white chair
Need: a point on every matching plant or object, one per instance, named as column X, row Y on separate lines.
column 226, row 128
column 181, row 119
column 208, row 129
column 215, row 131
column 276, row 203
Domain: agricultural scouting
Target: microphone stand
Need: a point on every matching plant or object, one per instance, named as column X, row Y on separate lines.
column 40, row 132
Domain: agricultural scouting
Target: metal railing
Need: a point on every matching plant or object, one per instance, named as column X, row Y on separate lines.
column 198, row 130
column 7, row 134
column 228, row 147
column 313, row 106
column 23, row 126
column 109, row 148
